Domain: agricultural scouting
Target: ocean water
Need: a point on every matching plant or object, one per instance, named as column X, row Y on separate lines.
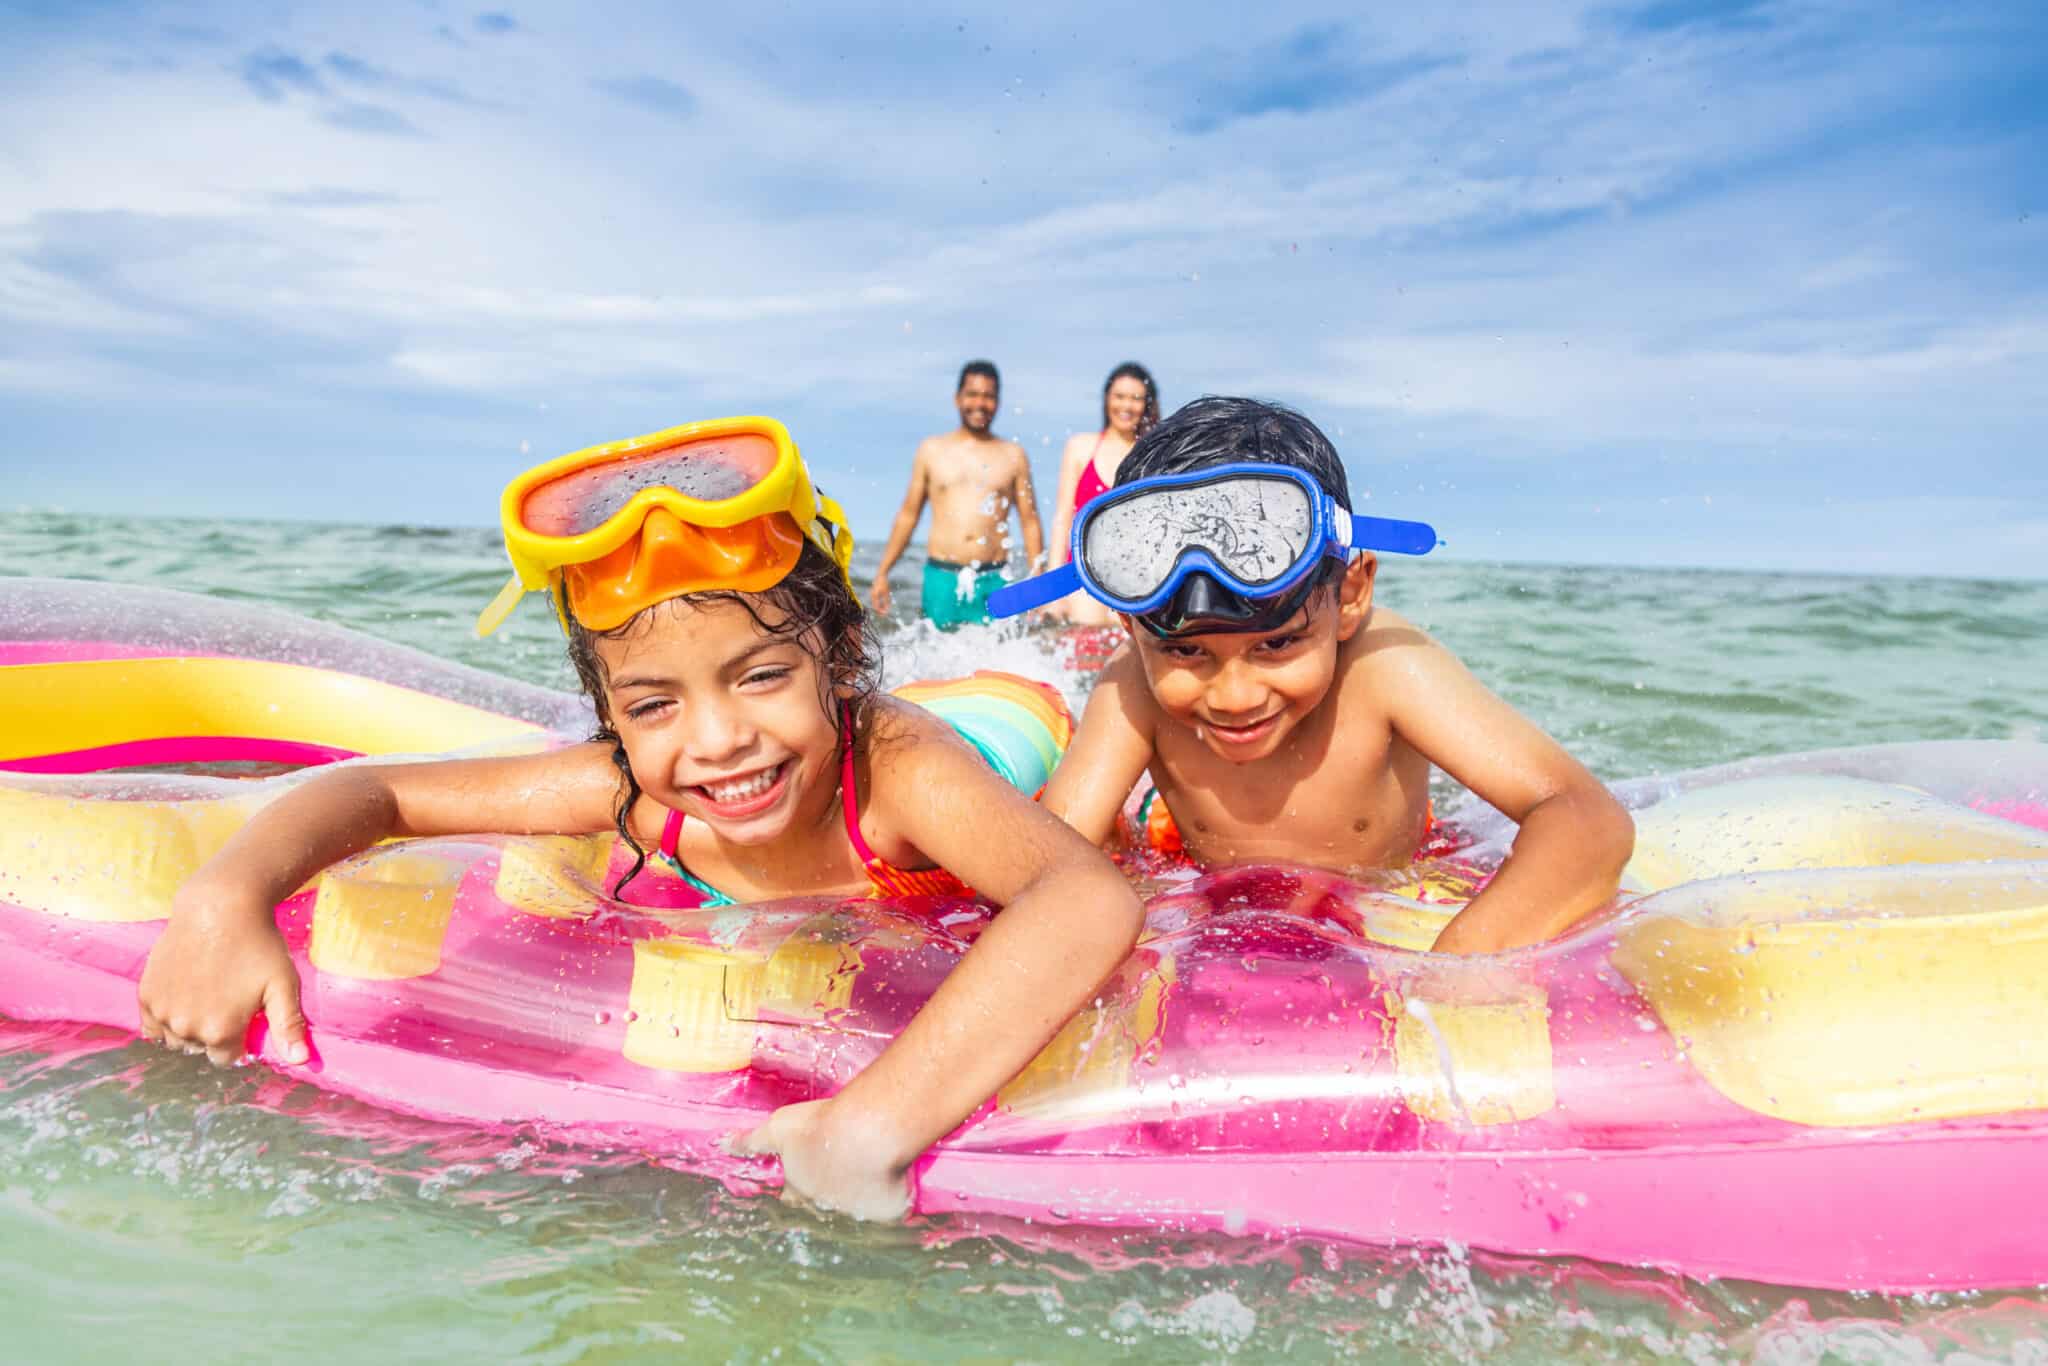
column 150, row 1203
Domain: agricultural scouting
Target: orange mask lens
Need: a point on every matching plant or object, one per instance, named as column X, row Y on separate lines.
column 671, row 557
column 710, row 470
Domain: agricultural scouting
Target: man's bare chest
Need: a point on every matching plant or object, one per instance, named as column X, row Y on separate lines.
column 968, row 476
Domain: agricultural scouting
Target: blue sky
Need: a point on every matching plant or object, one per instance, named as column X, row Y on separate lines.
column 1734, row 284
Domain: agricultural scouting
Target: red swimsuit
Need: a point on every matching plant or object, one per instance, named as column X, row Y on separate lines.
column 1090, row 485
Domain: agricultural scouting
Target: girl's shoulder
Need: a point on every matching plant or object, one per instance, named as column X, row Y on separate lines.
column 1079, row 447
column 891, row 728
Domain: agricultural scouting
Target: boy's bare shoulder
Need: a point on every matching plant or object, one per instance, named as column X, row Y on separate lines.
column 1386, row 631
column 1391, row 657
column 1121, row 685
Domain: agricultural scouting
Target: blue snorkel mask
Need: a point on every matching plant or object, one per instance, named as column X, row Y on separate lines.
column 1235, row 547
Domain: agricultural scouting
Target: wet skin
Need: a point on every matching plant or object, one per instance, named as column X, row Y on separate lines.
column 972, row 479
column 1314, row 744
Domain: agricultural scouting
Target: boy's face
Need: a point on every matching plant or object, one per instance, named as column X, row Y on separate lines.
column 1245, row 694
column 976, row 402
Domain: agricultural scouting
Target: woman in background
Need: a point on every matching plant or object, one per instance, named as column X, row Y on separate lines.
column 1130, row 406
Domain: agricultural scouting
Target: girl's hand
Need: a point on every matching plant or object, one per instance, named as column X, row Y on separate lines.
column 828, row 1163
column 216, row 964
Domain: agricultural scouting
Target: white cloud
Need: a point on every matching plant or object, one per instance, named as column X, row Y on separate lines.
column 1587, row 386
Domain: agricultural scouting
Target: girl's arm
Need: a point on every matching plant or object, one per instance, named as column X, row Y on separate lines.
column 220, row 960
column 1068, row 920
column 1575, row 838
column 1112, row 747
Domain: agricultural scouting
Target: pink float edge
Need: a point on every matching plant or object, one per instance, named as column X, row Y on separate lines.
column 1801, row 1209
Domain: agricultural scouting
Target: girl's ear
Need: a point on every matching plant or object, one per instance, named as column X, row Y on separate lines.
column 1354, row 593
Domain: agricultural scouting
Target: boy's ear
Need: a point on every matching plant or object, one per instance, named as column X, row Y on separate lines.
column 1354, row 593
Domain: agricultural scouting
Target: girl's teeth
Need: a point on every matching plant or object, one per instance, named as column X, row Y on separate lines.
column 740, row 789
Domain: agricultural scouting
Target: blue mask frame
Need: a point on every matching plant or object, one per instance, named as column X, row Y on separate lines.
column 1335, row 533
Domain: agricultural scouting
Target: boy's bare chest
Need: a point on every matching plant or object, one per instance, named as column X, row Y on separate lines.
column 1363, row 803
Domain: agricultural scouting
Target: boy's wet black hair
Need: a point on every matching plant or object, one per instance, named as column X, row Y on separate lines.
column 814, row 606
column 1218, row 431
column 985, row 368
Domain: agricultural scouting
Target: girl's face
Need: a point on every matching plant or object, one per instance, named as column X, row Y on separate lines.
column 1126, row 402
column 722, row 720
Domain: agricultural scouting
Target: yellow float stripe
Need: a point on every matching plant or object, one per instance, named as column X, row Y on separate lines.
column 86, row 704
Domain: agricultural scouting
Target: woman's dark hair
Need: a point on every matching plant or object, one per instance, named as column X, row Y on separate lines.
column 812, row 605
column 1217, row 431
column 1130, row 369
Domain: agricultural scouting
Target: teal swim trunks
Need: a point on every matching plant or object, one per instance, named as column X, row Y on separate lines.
column 946, row 605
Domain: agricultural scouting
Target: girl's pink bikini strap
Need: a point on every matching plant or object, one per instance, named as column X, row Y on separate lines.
column 671, row 832
column 847, row 799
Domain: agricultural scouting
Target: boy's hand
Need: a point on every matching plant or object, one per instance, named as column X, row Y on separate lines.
column 878, row 594
column 825, row 1165
column 214, row 967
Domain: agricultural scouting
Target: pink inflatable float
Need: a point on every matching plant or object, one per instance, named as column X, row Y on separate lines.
column 1809, row 1046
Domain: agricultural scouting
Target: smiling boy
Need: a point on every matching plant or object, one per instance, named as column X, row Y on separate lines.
column 1282, row 714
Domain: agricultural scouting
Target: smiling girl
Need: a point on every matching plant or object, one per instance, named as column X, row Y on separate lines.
column 701, row 580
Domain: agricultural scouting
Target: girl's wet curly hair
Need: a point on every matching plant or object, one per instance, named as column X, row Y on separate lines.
column 813, row 605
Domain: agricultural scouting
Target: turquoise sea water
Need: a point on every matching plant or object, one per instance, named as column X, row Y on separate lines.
column 151, row 1204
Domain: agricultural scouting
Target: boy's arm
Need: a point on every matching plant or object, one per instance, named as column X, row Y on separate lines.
column 1575, row 838
column 1110, row 749
column 220, row 959
column 1068, row 920
column 900, row 532
column 1027, row 514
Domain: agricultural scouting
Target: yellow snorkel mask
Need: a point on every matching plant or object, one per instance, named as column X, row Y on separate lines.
column 614, row 529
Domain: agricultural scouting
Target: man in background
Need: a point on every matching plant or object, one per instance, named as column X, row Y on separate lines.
column 972, row 478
